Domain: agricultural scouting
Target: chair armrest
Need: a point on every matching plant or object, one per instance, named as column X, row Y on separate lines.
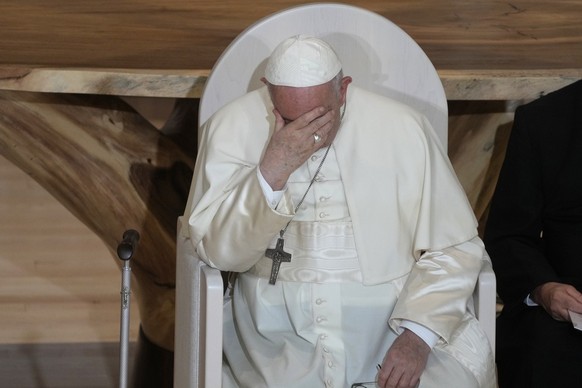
column 198, row 328
column 485, row 299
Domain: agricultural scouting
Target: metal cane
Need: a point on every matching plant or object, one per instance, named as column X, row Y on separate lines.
column 125, row 251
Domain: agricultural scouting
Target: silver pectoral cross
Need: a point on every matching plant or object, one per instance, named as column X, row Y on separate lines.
column 278, row 255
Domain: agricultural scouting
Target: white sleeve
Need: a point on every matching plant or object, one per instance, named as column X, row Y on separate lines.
column 529, row 301
column 273, row 197
column 427, row 335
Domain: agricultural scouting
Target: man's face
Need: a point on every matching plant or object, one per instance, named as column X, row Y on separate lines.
column 292, row 102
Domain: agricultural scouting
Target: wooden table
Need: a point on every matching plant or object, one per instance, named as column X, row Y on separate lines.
column 482, row 49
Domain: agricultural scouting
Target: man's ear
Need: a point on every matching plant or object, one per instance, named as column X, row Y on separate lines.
column 344, row 87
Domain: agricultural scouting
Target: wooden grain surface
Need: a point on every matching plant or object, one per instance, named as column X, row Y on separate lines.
column 58, row 281
column 190, row 34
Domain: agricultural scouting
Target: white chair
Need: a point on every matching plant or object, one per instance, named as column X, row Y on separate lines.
column 380, row 57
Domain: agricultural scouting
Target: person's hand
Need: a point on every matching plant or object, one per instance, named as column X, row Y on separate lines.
column 557, row 299
column 293, row 142
column 404, row 362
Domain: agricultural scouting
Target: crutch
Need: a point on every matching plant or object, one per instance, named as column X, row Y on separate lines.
column 125, row 251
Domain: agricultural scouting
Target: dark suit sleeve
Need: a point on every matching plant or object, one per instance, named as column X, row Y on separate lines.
column 514, row 227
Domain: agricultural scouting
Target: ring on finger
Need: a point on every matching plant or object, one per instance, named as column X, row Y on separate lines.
column 316, row 137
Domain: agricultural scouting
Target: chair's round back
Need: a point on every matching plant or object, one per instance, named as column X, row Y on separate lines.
column 376, row 53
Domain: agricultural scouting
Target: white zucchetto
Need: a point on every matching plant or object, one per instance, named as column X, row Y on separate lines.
column 302, row 61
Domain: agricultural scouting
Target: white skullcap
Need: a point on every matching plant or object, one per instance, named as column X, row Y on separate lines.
column 302, row 61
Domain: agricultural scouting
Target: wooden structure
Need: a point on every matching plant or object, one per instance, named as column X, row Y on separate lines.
column 119, row 163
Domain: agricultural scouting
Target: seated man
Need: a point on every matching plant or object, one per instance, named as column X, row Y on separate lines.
column 533, row 236
column 356, row 247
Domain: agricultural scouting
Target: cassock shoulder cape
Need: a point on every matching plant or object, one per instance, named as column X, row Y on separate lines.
column 402, row 193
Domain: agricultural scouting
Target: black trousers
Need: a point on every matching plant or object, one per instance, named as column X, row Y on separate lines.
column 534, row 350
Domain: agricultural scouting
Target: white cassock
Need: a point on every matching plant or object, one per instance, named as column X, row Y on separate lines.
column 385, row 235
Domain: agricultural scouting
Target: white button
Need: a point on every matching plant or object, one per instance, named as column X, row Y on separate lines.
column 323, row 199
column 323, row 215
column 329, row 383
column 314, row 158
column 322, row 336
column 325, row 349
column 319, row 301
column 330, row 364
column 320, row 319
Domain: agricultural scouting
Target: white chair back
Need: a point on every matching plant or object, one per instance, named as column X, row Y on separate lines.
column 376, row 53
